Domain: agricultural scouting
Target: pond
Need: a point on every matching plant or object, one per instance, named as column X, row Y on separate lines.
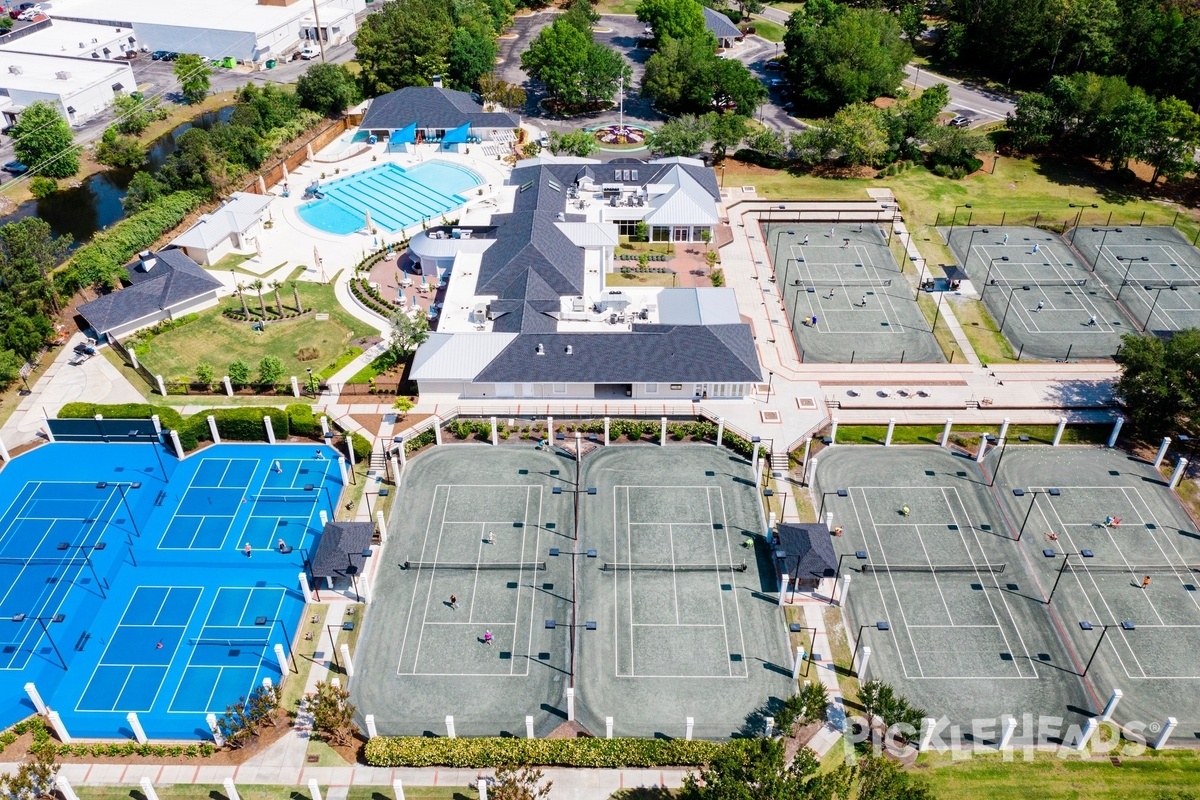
column 96, row 203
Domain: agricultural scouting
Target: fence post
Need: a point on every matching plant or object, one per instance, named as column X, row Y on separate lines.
column 1180, row 468
column 1162, row 451
column 833, row 423
column 887, row 442
column 228, row 386
column 139, row 732
column 495, row 433
column 162, row 389
column 230, row 788
column 529, row 727
column 720, row 430
column 35, row 697
column 1116, row 431
column 177, row 445
column 133, row 358
column 607, row 423
column 270, row 429
column 437, row 430
column 57, row 723
column 662, row 433
column 1003, row 430
column 382, row 527
column 372, row 732
column 946, row 432
column 295, row 387
column 305, row 588
column 1062, row 424
column 344, row 649
column 63, row 785
column 212, row 429
column 148, row 789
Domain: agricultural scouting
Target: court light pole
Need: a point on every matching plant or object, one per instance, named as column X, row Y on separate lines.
column 839, row 493
column 1128, row 268
column 882, row 625
column 988, row 276
column 1084, row 625
column 19, row 618
column 1079, row 216
column 1008, row 305
column 287, row 639
column 136, row 436
column 352, row 570
column 861, row 555
column 87, row 549
column 1048, row 553
column 121, row 490
column 999, row 461
column 970, row 243
column 1032, row 503
column 953, row 218
column 1158, row 290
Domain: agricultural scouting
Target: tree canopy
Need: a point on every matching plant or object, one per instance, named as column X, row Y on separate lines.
column 685, row 76
column 677, row 19
column 838, row 55
column 193, row 72
column 328, row 89
column 43, row 142
column 574, row 69
column 1160, row 380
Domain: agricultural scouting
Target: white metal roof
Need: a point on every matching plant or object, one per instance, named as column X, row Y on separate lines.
column 240, row 212
column 698, row 306
column 686, row 203
column 68, row 38
column 230, row 15
column 457, row 356
column 41, row 73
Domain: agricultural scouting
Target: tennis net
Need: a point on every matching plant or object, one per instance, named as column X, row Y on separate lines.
column 309, row 498
column 1018, row 284
column 1182, row 570
column 881, row 282
column 229, row 642
column 934, row 568
column 474, row 565
column 1159, row 282
column 651, row 567
column 44, row 562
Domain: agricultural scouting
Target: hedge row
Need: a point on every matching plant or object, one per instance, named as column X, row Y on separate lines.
column 234, row 424
column 418, row 751
column 99, row 262
column 370, row 297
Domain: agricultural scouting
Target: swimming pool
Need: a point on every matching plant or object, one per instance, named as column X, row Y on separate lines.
column 396, row 197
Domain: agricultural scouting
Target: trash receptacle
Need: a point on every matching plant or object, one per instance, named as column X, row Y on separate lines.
column 270, row 63
column 228, row 62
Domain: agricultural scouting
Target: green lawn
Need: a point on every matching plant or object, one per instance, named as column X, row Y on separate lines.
column 989, row 777
column 218, row 341
column 185, row 791
column 666, row 279
column 967, row 435
column 982, row 333
column 788, row 7
column 941, row 331
column 771, row 31
column 617, row 6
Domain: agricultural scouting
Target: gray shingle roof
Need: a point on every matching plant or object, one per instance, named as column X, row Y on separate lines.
column 430, row 107
column 720, row 25
column 173, row 280
column 531, row 259
column 651, row 354
column 342, row 545
column 809, row 551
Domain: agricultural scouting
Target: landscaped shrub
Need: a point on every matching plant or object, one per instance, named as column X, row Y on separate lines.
column 422, row 439
column 302, row 421
column 362, row 447
column 417, row 751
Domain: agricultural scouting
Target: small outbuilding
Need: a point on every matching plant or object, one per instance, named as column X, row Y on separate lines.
column 804, row 553
column 341, row 555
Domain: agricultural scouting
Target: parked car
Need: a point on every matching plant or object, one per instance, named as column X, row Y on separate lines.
column 310, row 52
column 159, row 55
column 960, row 121
column 15, row 168
column 774, row 66
column 775, row 83
column 85, row 348
column 30, row 14
column 16, row 11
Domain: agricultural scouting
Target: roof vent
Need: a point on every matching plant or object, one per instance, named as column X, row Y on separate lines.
column 437, row 81
column 570, row 350
column 63, row 76
column 541, row 350
column 562, row 217
column 15, row 69
column 148, row 264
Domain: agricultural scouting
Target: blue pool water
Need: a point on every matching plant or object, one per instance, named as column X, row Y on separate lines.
column 396, row 197
column 134, row 564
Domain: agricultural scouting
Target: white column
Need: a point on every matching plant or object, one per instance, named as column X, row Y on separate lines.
column 529, row 727
column 228, row 385
column 231, row 791
column 324, row 427
column 344, row 649
column 928, row 727
column 372, row 731
column 829, row 520
column 342, row 471
column 607, row 423
column 807, row 447
column 178, row 445
column 350, row 449
column 662, row 432
column 218, row 737
column 812, row 471
column 139, row 732
column 1006, row 734
column 1161, row 741
column 46, row 427
column 608, row 727
column 982, row 450
column 754, row 462
column 157, row 423
column 770, row 527
column 35, row 697
column 162, row 389
column 1113, row 699
column 4, row 452
column 769, row 722
column 281, row 657
column 314, row 790
column 379, row 523
column 450, row 727
column 63, row 785
column 1180, row 468
column 550, row 430
column 148, row 789
column 270, row 429
column 833, row 431
column 398, row 788
column 266, row 684
column 845, row 589
column 864, row 658
column 570, row 705
column 1062, row 424
column 1089, row 729
column 324, row 517
column 133, row 358
column 798, row 662
column 212, row 429
column 495, row 432
column 305, row 588
column 1162, row 451
column 688, row 724
column 437, row 431
column 396, row 468
column 720, row 430
column 783, row 582
column 481, row 786
column 946, row 432
column 887, row 441
column 1003, row 430
column 295, row 387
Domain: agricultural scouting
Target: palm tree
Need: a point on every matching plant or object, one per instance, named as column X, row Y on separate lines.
column 241, row 287
column 296, row 297
column 258, row 287
column 278, row 303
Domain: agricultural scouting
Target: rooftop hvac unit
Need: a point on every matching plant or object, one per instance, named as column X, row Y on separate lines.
column 15, row 70
column 63, row 76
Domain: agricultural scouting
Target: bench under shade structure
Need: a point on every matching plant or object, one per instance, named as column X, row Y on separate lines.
column 804, row 552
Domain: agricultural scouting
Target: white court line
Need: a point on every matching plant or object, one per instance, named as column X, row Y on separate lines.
column 717, row 560
column 678, row 624
column 416, row 585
